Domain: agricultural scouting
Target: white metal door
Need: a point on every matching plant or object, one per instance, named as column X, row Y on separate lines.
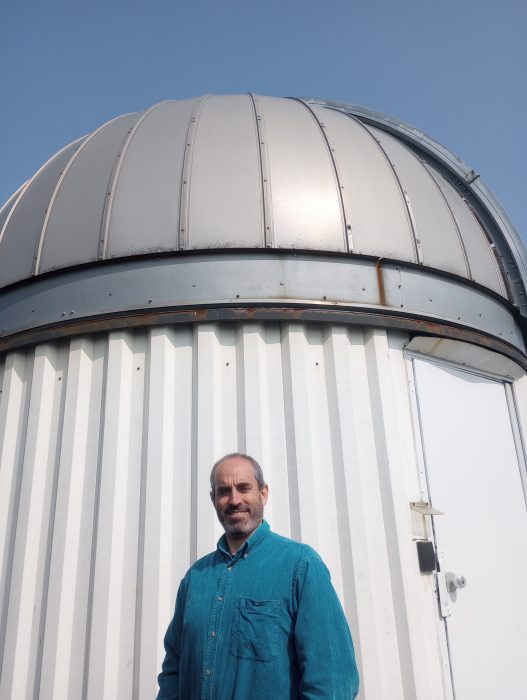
column 473, row 462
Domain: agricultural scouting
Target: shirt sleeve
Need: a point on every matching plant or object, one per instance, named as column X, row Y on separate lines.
column 168, row 679
column 324, row 647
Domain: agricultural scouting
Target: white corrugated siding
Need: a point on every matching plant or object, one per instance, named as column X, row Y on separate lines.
column 106, row 445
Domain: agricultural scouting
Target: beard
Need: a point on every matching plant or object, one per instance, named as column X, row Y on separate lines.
column 244, row 524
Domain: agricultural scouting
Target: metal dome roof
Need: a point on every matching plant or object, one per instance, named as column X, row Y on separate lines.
column 238, row 172
column 241, row 171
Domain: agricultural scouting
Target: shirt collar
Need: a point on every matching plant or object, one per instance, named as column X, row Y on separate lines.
column 249, row 544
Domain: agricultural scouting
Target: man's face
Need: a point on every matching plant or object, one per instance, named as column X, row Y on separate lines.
column 238, row 501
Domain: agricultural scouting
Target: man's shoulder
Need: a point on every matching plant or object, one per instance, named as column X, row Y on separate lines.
column 296, row 559
column 288, row 542
column 299, row 549
column 204, row 562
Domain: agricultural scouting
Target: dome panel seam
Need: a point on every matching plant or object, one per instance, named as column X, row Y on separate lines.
column 348, row 242
column 265, row 173
column 186, row 174
column 112, row 183
column 404, row 196
column 450, row 211
column 40, row 240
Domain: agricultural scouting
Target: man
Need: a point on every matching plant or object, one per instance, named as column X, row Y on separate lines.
column 258, row 619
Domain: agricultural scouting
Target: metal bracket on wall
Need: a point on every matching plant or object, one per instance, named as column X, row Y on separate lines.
column 424, row 508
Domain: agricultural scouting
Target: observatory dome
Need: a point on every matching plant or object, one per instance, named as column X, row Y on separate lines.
column 312, row 283
column 406, row 225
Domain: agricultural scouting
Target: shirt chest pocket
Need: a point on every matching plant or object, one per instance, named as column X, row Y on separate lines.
column 255, row 629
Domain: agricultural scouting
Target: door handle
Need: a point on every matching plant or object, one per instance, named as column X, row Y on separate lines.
column 447, row 585
column 453, row 581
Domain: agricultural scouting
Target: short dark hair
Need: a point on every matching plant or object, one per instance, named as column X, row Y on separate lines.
column 258, row 473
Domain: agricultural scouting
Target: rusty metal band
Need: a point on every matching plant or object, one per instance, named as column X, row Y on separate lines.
column 237, row 313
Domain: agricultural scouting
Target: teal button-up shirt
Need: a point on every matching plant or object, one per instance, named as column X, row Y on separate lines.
column 264, row 624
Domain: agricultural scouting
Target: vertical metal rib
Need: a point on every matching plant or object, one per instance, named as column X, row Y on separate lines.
column 108, row 204
column 184, row 197
column 40, row 239
column 27, row 360
column 139, row 586
column 346, row 220
column 290, row 437
column 265, row 175
column 24, row 188
column 240, row 339
column 19, row 194
column 452, row 215
column 61, row 367
column 83, row 685
column 193, row 506
column 408, row 207
column 12, row 203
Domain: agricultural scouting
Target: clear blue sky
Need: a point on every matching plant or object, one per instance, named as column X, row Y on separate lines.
column 454, row 68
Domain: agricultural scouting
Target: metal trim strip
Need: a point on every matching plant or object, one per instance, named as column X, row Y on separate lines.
column 346, row 281
column 42, row 234
column 108, row 204
column 404, row 195
column 267, row 312
column 265, row 173
column 346, row 219
column 449, row 209
column 24, row 188
column 186, row 170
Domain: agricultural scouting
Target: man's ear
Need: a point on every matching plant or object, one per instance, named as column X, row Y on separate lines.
column 212, row 496
column 265, row 494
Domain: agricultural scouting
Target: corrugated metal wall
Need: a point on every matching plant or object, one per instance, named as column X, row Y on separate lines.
column 106, row 445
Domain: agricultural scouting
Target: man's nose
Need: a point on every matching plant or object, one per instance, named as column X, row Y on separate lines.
column 234, row 498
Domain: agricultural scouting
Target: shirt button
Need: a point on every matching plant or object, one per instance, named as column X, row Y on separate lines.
column 229, row 568
column 208, row 671
column 245, row 556
column 213, row 633
column 220, row 597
